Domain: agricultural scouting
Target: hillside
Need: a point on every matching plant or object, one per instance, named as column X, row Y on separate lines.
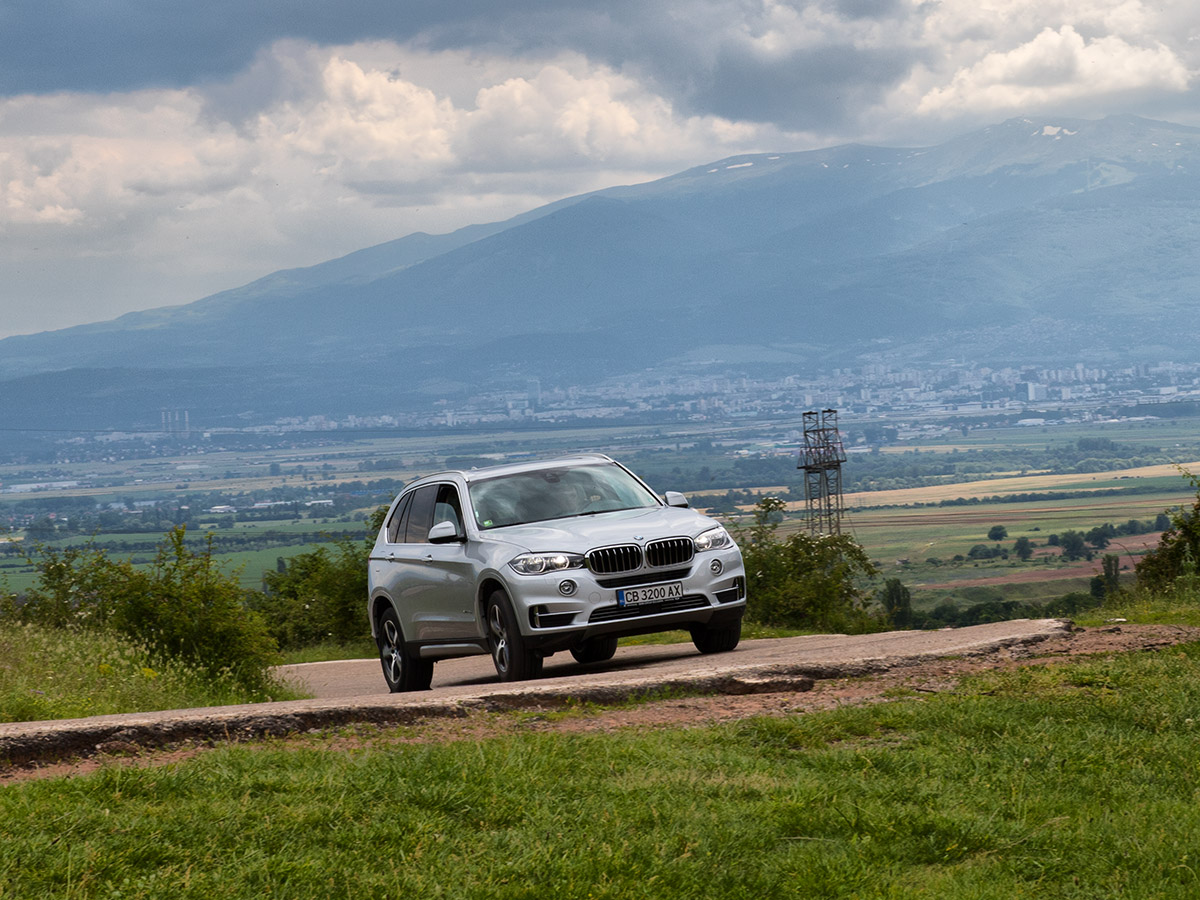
column 1027, row 242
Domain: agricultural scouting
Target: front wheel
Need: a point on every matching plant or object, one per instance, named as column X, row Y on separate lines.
column 401, row 671
column 514, row 662
column 717, row 638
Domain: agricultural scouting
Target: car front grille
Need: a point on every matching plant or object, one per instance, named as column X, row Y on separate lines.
column 612, row 560
column 670, row 552
column 609, row 613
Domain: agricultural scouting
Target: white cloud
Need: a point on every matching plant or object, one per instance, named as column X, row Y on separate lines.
column 1055, row 67
column 158, row 197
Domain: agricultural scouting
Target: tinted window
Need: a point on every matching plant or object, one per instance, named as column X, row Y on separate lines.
column 395, row 528
column 420, row 514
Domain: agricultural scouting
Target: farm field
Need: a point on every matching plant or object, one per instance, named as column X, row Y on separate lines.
column 910, row 536
column 1165, row 476
column 905, row 530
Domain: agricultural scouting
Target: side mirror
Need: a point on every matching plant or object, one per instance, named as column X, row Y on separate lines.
column 674, row 498
column 445, row 533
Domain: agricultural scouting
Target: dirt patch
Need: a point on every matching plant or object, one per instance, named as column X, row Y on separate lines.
column 934, row 676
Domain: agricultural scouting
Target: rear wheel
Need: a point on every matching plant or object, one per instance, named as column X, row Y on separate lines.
column 513, row 660
column 595, row 650
column 717, row 638
column 401, row 671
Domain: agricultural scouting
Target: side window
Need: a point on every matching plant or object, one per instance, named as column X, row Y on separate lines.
column 398, row 521
column 447, row 508
column 420, row 514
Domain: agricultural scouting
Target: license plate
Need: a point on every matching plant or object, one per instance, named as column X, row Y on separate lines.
column 651, row 593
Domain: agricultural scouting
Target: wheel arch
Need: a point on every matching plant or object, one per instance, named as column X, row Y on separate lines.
column 377, row 605
column 486, row 587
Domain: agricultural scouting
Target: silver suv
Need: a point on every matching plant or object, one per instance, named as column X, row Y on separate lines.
column 524, row 560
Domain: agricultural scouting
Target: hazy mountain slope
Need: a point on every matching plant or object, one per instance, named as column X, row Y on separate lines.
column 1087, row 228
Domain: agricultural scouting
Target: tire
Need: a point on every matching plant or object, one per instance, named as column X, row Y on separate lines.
column 401, row 671
column 717, row 638
column 513, row 661
column 596, row 650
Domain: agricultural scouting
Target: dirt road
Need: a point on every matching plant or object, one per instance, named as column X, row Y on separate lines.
column 819, row 655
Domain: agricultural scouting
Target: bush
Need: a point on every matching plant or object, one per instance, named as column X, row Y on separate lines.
column 183, row 606
column 1178, row 552
column 804, row 581
column 321, row 596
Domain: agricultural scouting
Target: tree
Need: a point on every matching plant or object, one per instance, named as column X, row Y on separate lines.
column 997, row 533
column 1023, row 547
column 1178, row 549
column 1099, row 536
column 1112, row 573
column 40, row 529
column 897, row 603
column 1072, row 543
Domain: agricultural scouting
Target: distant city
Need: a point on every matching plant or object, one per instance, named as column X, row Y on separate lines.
column 1077, row 392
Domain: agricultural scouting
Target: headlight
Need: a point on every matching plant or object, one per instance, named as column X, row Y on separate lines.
column 538, row 563
column 714, row 539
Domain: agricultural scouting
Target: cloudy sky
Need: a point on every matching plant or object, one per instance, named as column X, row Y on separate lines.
column 152, row 153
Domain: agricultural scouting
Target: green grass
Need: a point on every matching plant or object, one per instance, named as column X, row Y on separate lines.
column 1076, row 781
column 61, row 674
column 1180, row 607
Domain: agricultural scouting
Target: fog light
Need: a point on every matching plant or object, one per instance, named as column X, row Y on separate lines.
column 715, row 567
column 566, row 588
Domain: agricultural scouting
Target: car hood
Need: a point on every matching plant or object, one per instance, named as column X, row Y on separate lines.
column 579, row 534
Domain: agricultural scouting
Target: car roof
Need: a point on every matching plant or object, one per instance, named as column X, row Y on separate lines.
column 532, row 465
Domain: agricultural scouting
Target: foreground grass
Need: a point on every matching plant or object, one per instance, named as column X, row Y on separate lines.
column 60, row 674
column 1076, row 781
column 1181, row 606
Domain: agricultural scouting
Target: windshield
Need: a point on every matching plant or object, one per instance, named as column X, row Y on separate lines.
column 556, row 494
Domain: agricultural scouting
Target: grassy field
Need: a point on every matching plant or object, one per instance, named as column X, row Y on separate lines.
column 1068, row 781
column 61, row 674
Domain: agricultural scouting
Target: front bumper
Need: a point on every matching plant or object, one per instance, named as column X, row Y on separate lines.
column 551, row 621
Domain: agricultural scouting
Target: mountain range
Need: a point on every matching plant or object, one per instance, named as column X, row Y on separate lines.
column 1028, row 242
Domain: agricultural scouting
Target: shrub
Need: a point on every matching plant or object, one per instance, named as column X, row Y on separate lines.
column 182, row 606
column 321, row 595
column 804, row 580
